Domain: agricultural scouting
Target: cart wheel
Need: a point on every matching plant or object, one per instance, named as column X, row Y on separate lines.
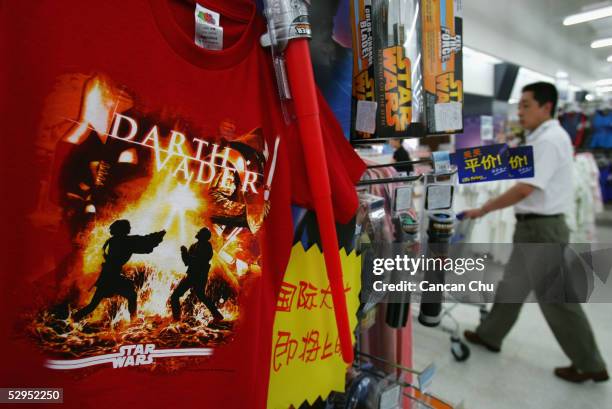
column 483, row 313
column 460, row 351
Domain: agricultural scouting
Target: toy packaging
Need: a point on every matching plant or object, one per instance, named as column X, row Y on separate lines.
column 387, row 80
column 442, row 23
column 407, row 69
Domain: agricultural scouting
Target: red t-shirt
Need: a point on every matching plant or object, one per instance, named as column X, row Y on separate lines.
column 112, row 112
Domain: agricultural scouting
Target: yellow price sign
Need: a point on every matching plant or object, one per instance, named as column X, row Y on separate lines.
column 306, row 362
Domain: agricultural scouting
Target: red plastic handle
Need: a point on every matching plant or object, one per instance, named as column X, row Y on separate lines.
column 302, row 84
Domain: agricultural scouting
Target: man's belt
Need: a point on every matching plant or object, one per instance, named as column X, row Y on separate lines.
column 528, row 216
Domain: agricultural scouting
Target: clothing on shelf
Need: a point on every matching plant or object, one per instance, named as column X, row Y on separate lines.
column 384, row 190
column 601, row 125
column 575, row 123
column 587, row 199
column 604, row 163
column 495, row 227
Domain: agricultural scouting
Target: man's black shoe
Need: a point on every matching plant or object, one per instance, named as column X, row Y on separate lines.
column 571, row 374
column 474, row 338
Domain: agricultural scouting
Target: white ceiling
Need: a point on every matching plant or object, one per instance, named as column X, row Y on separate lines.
column 530, row 33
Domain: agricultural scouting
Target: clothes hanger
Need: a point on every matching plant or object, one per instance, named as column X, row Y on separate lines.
column 398, row 179
column 405, row 162
column 401, row 178
column 383, row 181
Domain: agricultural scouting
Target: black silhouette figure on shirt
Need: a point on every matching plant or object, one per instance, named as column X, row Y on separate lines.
column 117, row 251
column 197, row 259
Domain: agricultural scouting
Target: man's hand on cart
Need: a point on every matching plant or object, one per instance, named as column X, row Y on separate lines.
column 472, row 214
column 509, row 198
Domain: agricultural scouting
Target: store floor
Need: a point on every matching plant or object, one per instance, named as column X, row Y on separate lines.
column 521, row 376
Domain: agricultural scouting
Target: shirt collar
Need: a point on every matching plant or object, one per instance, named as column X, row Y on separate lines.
column 544, row 126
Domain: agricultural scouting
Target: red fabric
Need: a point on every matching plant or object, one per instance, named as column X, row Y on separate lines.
column 344, row 166
column 143, row 54
column 580, row 133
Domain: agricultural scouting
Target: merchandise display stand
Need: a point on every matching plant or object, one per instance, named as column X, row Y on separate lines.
column 303, row 204
column 397, row 32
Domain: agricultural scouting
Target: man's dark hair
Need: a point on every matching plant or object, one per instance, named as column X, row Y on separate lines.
column 544, row 92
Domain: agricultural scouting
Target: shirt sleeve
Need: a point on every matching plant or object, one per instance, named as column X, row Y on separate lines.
column 545, row 158
column 345, row 167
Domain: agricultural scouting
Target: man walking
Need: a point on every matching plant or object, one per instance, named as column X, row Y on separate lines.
column 540, row 203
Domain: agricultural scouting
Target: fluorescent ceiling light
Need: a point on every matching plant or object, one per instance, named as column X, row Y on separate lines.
column 604, row 89
column 585, row 16
column 607, row 81
column 604, row 42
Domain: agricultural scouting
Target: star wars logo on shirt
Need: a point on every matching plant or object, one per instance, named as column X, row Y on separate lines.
column 163, row 219
column 449, row 44
column 128, row 356
column 134, row 355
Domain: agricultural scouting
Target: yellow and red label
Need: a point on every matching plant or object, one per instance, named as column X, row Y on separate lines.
column 442, row 66
column 448, row 88
column 398, row 90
